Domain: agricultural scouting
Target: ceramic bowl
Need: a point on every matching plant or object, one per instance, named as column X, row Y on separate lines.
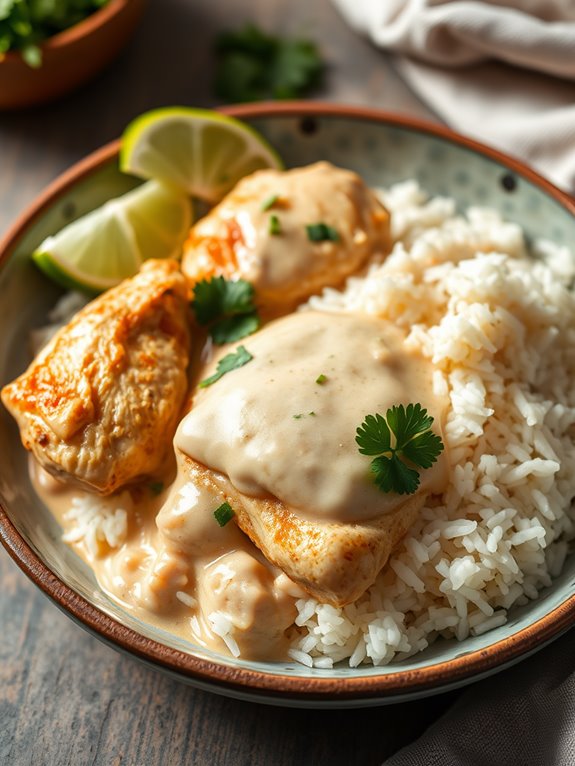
column 69, row 58
column 383, row 149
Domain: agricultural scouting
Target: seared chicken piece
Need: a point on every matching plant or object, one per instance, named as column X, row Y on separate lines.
column 280, row 444
column 333, row 562
column 99, row 405
column 259, row 233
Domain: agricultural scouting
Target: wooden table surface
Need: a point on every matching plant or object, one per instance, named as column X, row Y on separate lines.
column 65, row 698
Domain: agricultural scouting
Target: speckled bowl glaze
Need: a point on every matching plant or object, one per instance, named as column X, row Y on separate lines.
column 383, row 149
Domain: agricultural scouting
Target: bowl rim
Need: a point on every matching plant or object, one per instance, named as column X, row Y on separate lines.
column 76, row 32
column 246, row 681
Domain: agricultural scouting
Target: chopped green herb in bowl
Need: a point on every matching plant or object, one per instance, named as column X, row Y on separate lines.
column 50, row 47
column 24, row 24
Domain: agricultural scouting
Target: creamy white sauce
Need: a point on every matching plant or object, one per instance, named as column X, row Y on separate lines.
column 273, row 429
column 178, row 568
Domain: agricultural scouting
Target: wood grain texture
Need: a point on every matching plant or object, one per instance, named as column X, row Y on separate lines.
column 65, row 698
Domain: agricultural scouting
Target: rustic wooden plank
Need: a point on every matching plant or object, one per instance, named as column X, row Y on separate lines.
column 65, row 698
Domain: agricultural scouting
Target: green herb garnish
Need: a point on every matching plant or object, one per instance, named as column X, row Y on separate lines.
column 414, row 442
column 321, row 379
column 254, row 66
column 268, row 203
column 275, row 225
column 227, row 307
column 25, row 25
column 321, row 232
column 228, row 363
column 223, row 514
column 234, row 328
column 157, row 487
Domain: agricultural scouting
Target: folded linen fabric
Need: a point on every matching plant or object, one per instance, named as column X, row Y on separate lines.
column 502, row 71
column 525, row 717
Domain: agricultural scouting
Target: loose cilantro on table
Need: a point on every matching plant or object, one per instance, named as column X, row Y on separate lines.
column 228, row 363
column 254, row 66
column 414, row 442
column 227, row 307
column 223, row 514
column 24, row 25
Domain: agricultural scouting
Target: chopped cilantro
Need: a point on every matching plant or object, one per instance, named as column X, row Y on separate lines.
column 414, row 441
column 275, row 225
column 223, row 514
column 254, row 66
column 321, row 379
column 321, row 232
column 157, row 487
column 268, row 203
column 228, row 363
column 227, row 307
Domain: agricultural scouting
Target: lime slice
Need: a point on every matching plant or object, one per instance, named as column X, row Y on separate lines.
column 204, row 153
column 109, row 244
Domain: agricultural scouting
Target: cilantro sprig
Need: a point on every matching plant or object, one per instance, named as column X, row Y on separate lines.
column 414, row 443
column 228, row 363
column 226, row 307
column 254, row 66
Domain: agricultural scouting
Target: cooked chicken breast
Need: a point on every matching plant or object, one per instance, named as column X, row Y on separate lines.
column 333, row 562
column 99, row 405
column 281, row 443
column 259, row 232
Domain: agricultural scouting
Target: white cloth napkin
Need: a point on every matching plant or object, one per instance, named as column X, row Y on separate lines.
column 524, row 717
column 501, row 71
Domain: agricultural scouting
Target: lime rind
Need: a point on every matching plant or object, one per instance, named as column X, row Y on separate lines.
column 61, row 272
column 109, row 244
column 184, row 151
column 202, row 152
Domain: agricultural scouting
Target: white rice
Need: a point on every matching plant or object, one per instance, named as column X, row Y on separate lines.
column 186, row 599
column 97, row 522
column 498, row 322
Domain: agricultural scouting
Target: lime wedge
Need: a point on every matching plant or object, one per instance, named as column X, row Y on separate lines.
column 109, row 244
column 202, row 152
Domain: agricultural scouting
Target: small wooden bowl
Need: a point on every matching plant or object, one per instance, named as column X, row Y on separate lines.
column 69, row 58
